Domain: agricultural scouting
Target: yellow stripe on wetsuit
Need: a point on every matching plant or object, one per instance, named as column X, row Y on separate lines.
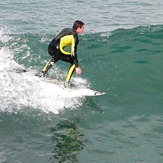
column 71, row 70
column 44, row 69
column 65, row 41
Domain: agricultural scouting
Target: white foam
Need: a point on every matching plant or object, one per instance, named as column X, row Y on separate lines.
column 3, row 36
column 20, row 91
column 6, row 60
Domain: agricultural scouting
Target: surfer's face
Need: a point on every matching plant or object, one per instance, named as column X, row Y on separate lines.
column 80, row 30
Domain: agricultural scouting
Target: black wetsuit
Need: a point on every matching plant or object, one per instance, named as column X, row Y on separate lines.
column 58, row 52
column 56, row 48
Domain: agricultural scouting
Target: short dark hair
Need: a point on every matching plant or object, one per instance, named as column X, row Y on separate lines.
column 77, row 24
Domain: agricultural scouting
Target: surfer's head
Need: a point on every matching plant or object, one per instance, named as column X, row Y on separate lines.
column 78, row 26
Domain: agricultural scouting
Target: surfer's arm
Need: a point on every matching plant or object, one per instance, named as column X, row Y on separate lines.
column 74, row 52
column 77, row 68
column 75, row 61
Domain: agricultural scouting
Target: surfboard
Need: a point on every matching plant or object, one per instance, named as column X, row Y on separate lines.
column 73, row 90
column 85, row 92
column 76, row 90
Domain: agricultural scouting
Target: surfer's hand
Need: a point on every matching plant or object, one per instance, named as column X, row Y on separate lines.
column 78, row 70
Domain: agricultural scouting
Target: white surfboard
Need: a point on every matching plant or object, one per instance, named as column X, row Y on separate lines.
column 76, row 90
column 85, row 92
column 72, row 91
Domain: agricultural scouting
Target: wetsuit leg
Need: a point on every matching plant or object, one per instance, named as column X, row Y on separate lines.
column 70, row 72
column 68, row 58
column 48, row 65
column 54, row 53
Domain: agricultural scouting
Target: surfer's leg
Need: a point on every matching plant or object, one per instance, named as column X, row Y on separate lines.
column 48, row 65
column 54, row 53
column 70, row 72
column 68, row 58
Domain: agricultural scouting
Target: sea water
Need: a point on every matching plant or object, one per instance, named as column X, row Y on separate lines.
column 120, row 53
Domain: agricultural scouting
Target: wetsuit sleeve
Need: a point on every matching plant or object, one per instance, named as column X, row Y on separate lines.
column 73, row 46
column 75, row 59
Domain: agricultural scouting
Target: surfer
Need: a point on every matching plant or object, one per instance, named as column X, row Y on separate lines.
column 66, row 37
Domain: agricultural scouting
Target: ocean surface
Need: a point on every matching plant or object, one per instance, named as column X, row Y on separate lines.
column 120, row 53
